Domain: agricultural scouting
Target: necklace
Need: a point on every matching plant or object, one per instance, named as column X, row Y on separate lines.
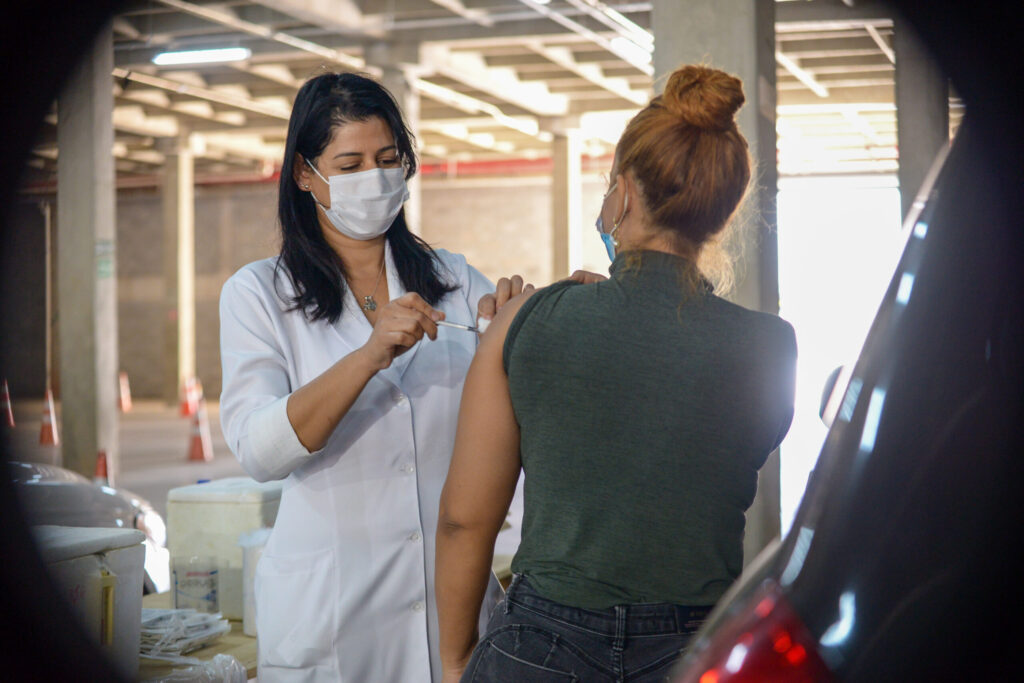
column 369, row 304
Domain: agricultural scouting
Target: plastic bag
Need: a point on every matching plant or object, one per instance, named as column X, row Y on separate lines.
column 221, row 669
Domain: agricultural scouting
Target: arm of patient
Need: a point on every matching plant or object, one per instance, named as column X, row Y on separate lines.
column 481, row 481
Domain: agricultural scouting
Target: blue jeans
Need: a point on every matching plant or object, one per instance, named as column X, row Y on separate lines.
column 531, row 639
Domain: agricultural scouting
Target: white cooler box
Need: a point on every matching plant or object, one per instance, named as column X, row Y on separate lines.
column 99, row 572
column 207, row 519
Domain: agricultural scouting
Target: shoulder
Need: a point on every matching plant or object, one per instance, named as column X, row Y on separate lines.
column 541, row 303
column 549, row 299
column 262, row 279
column 777, row 331
column 766, row 331
column 453, row 264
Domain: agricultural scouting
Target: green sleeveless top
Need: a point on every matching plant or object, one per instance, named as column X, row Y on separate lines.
column 645, row 411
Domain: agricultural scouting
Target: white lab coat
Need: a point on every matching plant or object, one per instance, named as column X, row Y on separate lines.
column 345, row 585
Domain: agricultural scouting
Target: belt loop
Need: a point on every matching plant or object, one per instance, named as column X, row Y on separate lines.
column 621, row 621
column 511, row 589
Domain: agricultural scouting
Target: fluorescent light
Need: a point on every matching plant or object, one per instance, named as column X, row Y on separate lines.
column 223, row 54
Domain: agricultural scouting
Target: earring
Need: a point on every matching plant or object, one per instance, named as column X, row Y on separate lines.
column 305, row 187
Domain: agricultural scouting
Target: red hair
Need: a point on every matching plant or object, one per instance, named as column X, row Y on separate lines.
column 688, row 156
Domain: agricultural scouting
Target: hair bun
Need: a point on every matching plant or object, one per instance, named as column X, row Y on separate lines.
column 703, row 97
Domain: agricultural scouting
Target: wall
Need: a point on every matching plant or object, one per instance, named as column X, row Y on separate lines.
column 22, row 290
column 502, row 225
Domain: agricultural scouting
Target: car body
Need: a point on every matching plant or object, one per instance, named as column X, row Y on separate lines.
column 902, row 563
column 53, row 495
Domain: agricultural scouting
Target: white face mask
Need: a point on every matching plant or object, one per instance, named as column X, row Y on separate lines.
column 364, row 204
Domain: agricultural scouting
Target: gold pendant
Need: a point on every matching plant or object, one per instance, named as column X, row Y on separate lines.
column 369, row 304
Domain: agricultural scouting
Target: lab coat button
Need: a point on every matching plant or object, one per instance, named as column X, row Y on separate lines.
column 400, row 398
column 414, row 536
column 408, row 469
column 417, row 606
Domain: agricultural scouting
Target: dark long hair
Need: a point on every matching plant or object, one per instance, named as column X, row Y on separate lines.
column 316, row 272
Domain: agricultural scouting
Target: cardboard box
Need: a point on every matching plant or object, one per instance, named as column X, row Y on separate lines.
column 99, row 573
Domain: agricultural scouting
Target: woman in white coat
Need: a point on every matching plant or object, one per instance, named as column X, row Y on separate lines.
column 329, row 384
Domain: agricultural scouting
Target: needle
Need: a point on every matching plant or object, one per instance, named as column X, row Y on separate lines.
column 458, row 326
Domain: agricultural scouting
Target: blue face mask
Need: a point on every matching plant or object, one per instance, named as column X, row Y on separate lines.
column 610, row 243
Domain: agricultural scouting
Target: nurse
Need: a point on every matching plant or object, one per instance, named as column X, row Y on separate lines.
column 330, row 385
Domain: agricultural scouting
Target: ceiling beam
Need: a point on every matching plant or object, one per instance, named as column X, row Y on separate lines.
column 341, row 16
column 469, row 68
column 477, row 16
column 445, row 95
column 626, row 55
column 880, row 41
column 521, row 22
column 611, row 18
column 463, row 134
column 830, row 10
column 471, row 105
column 201, row 93
column 230, row 20
column 563, row 57
column 802, row 75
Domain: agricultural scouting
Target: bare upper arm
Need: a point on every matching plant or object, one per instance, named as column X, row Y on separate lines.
column 485, row 463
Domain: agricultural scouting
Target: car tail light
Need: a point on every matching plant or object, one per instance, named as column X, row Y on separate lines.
column 766, row 641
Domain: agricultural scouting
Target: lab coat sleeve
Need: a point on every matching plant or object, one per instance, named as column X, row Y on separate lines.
column 471, row 281
column 477, row 285
column 254, row 399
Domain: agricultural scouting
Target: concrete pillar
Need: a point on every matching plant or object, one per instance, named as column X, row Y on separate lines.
column 922, row 111
column 738, row 36
column 178, row 204
column 394, row 59
column 86, row 260
column 566, row 199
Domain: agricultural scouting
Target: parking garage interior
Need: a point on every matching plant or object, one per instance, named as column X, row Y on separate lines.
column 152, row 181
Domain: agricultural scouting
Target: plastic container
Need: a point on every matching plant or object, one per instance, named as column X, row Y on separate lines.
column 99, row 572
column 252, row 543
column 205, row 520
column 195, row 581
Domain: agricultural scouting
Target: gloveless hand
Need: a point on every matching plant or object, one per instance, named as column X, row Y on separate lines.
column 586, row 277
column 506, row 288
column 400, row 323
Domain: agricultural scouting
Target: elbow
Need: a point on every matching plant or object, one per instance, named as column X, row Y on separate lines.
column 447, row 524
column 450, row 523
column 258, row 469
column 259, row 474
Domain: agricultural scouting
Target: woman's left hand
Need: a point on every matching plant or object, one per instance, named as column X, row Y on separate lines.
column 506, row 288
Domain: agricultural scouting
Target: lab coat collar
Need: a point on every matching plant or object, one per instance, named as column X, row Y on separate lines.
column 354, row 329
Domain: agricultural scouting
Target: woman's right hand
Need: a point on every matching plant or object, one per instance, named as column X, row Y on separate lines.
column 586, row 277
column 400, row 323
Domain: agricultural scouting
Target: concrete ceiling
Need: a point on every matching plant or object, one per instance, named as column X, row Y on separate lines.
column 493, row 77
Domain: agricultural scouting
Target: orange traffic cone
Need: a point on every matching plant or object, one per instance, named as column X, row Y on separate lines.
column 200, row 446
column 189, row 398
column 124, row 401
column 48, row 432
column 101, row 476
column 5, row 406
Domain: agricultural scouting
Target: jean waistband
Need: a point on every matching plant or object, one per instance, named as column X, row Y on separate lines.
column 635, row 619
